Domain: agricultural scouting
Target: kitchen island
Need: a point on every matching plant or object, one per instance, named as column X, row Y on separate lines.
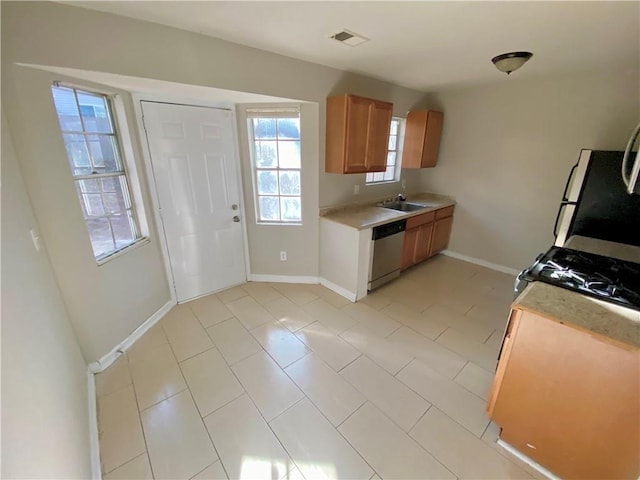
column 566, row 392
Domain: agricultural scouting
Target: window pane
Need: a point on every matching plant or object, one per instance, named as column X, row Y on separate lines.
column 90, row 198
column 289, row 128
column 290, row 209
column 264, row 128
column 389, row 173
column 394, row 127
column 95, row 113
column 123, row 230
column 67, row 109
column 266, row 154
column 290, row 182
column 100, row 235
column 269, row 208
column 77, row 153
column 378, row 176
column 369, row 178
column 391, row 158
column 289, row 154
column 392, row 142
column 267, row 182
column 104, row 153
column 116, row 197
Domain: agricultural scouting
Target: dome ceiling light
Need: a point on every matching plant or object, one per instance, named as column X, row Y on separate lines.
column 512, row 61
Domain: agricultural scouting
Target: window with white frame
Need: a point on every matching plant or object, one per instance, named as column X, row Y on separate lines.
column 392, row 173
column 97, row 167
column 274, row 142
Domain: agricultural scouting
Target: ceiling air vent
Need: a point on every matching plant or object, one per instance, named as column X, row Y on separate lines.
column 349, row 38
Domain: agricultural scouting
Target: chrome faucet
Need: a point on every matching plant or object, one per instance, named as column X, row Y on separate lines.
column 401, row 197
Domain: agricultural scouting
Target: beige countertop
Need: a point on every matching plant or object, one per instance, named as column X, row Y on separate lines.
column 368, row 215
column 565, row 306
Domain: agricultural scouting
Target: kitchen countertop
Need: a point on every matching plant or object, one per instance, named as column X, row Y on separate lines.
column 565, row 306
column 362, row 216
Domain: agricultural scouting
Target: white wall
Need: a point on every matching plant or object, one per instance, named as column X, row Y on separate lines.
column 45, row 427
column 507, row 150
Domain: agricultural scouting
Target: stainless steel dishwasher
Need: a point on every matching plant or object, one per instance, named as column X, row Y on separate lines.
column 387, row 253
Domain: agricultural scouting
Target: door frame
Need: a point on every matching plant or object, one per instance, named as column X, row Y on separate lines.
column 151, row 181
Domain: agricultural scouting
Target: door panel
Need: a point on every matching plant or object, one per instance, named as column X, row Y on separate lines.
column 357, row 137
column 195, row 168
column 441, row 234
column 381, row 123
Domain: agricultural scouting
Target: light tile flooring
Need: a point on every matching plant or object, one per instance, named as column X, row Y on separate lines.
column 282, row 381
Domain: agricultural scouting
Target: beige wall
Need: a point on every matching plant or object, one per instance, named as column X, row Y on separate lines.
column 47, row 34
column 299, row 241
column 107, row 302
column 507, row 150
column 45, row 426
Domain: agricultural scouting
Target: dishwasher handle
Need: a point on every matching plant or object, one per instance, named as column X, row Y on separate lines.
column 389, row 229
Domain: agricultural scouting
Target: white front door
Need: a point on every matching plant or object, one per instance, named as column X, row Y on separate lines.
column 195, row 168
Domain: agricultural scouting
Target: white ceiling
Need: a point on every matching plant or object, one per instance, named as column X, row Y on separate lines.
column 423, row 45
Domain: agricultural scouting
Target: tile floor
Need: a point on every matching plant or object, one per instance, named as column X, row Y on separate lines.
column 283, row 381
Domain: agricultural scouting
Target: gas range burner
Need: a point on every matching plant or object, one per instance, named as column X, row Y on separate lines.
column 606, row 278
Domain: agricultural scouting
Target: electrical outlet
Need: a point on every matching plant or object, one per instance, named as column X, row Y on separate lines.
column 283, row 256
column 356, row 189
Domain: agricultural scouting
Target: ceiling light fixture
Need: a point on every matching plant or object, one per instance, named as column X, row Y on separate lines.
column 512, row 61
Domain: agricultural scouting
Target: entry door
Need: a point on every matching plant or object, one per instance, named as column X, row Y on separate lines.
column 195, row 168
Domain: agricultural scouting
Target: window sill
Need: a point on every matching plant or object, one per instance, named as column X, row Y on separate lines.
column 280, row 224
column 380, row 183
column 137, row 244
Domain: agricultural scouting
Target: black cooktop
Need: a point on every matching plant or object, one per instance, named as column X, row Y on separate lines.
column 610, row 279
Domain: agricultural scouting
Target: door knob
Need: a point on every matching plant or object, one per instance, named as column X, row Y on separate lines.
column 236, row 218
column 234, row 207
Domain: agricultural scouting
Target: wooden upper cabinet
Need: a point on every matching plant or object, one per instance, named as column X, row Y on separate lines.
column 357, row 134
column 422, row 133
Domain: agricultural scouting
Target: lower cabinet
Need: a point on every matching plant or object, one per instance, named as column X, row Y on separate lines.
column 426, row 235
column 568, row 398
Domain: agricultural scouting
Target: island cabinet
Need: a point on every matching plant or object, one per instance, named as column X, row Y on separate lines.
column 426, row 235
column 422, row 133
column 568, row 398
column 357, row 134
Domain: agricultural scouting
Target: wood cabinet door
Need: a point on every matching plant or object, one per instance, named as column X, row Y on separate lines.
column 380, row 123
column 409, row 248
column 432, row 139
column 441, row 233
column 423, row 130
column 423, row 242
column 570, row 400
column 357, row 135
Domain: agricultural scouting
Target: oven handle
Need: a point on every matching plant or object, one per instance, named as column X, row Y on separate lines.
column 563, row 204
column 566, row 187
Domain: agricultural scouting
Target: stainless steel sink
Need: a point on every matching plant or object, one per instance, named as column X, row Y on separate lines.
column 404, row 206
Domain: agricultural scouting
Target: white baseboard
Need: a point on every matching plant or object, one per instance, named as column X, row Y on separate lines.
column 258, row 277
column 338, row 289
column 123, row 346
column 482, row 263
column 527, row 460
column 94, row 441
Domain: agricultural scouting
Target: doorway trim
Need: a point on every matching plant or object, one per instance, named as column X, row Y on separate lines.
column 151, row 181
